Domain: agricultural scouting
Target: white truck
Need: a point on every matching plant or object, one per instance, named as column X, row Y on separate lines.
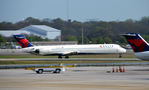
column 53, row 70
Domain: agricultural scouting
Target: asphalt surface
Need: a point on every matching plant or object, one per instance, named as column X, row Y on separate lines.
column 78, row 78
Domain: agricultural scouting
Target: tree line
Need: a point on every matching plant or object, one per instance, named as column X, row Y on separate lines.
column 93, row 31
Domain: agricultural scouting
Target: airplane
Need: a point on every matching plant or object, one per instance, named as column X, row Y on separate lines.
column 67, row 50
column 138, row 44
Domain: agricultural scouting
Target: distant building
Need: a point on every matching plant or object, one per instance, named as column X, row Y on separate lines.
column 38, row 30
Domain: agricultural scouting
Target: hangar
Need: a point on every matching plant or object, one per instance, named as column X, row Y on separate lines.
column 39, row 30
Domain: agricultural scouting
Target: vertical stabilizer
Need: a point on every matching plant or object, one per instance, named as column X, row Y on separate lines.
column 137, row 43
column 23, row 42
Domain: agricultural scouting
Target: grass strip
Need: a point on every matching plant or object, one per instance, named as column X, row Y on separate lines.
column 74, row 56
column 64, row 61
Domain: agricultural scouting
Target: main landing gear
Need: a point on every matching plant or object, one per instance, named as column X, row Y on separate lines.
column 60, row 57
column 67, row 57
column 120, row 55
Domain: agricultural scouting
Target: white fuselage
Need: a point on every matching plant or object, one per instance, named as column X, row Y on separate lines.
column 76, row 49
column 143, row 55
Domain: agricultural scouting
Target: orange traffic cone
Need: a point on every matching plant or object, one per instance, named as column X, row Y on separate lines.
column 120, row 69
column 124, row 69
column 113, row 70
column 116, row 69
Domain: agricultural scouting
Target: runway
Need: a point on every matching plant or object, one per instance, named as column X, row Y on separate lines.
column 72, row 59
column 77, row 78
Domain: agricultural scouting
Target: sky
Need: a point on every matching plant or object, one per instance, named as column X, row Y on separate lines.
column 80, row 10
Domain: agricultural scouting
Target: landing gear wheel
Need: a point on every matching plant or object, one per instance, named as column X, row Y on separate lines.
column 60, row 57
column 120, row 55
column 67, row 57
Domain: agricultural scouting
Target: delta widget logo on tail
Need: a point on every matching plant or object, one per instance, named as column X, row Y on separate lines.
column 23, row 42
column 137, row 43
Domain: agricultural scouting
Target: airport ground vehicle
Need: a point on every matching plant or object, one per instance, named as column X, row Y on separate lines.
column 41, row 70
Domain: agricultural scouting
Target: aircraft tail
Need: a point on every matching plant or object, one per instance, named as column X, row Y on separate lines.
column 137, row 43
column 23, row 42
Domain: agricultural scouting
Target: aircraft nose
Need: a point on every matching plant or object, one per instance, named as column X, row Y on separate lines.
column 122, row 50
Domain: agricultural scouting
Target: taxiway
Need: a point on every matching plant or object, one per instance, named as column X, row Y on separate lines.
column 78, row 78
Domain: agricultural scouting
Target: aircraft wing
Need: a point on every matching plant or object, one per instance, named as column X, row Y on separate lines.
column 66, row 52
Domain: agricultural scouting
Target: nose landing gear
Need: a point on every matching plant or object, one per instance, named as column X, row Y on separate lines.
column 67, row 57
